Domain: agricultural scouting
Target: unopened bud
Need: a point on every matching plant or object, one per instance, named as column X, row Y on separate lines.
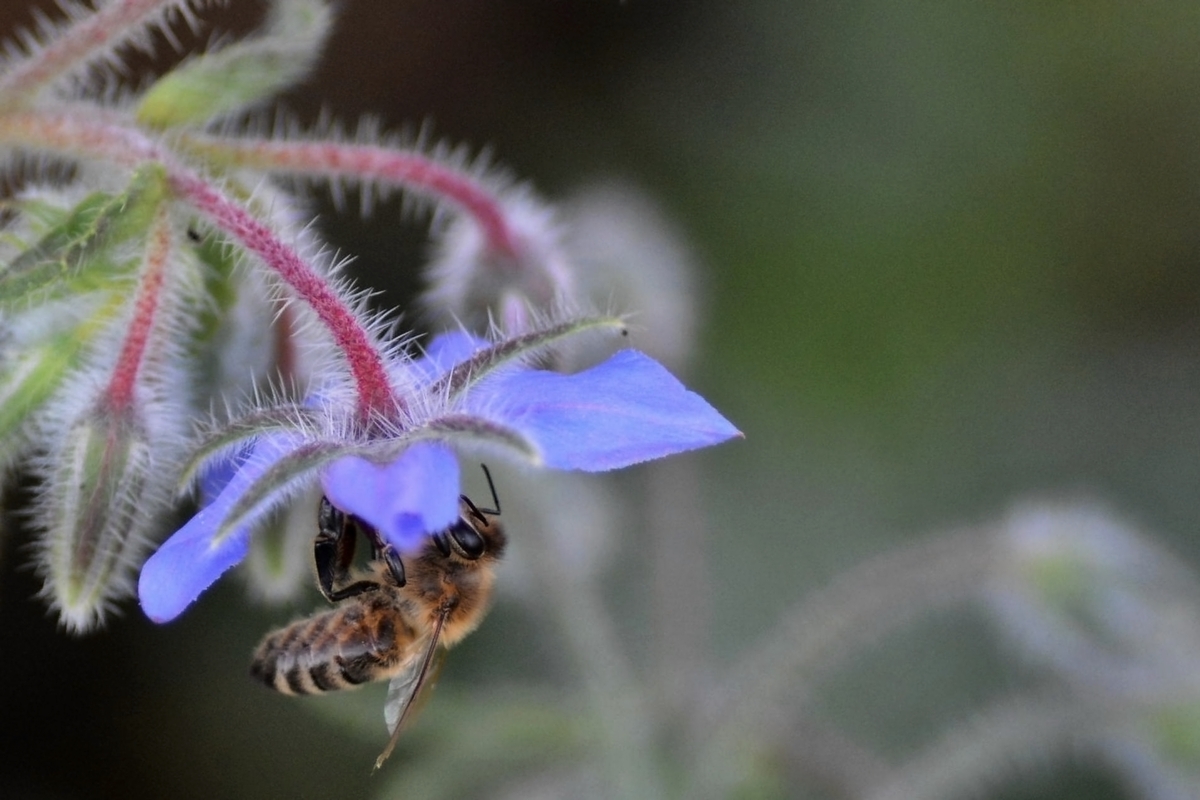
column 1097, row 600
column 627, row 256
column 279, row 564
column 97, row 500
column 472, row 283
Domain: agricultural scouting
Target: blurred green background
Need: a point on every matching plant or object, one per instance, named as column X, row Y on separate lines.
column 950, row 258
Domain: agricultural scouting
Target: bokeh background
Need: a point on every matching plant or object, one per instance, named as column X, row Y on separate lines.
column 948, row 257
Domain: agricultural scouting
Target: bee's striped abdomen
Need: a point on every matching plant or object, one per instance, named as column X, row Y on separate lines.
column 362, row 641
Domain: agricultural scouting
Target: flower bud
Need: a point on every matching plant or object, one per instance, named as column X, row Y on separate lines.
column 472, row 283
column 238, row 341
column 279, row 563
column 626, row 254
column 100, row 492
column 1098, row 601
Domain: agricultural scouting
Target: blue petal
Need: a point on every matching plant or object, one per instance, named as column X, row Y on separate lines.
column 448, row 349
column 624, row 411
column 404, row 500
column 218, row 475
column 443, row 352
column 188, row 562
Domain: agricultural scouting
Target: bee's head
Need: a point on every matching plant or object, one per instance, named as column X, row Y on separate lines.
column 474, row 535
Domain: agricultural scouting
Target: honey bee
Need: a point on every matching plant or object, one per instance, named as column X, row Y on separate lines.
column 393, row 620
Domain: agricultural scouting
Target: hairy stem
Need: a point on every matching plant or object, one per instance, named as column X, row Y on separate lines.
column 608, row 677
column 119, row 395
column 680, row 603
column 1013, row 736
column 366, row 163
column 76, row 44
column 859, row 608
column 375, row 395
column 95, row 137
column 85, row 133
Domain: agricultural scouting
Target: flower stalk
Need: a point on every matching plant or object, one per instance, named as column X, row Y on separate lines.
column 88, row 38
column 119, row 397
column 368, row 164
column 375, row 396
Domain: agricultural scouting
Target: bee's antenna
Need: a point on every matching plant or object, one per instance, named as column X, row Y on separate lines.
column 495, row 512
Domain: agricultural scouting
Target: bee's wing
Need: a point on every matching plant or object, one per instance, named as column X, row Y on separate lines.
column 408, row 691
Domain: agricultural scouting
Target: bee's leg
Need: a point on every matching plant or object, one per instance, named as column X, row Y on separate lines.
column 392, row 559
column 333, row 552
column 387, row 552
column 353, row 590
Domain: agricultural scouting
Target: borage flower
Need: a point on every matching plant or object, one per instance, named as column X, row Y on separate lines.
column 401, row 475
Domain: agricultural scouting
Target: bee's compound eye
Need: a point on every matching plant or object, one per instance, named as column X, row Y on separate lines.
column 467, row 540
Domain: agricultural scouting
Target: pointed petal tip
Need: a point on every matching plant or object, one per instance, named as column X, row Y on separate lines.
column 192, row 558
column 623, row 411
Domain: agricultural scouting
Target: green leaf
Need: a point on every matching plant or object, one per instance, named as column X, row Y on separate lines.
column 32, row 377
column 241, row 75
column 77, row 254
column 43, row 212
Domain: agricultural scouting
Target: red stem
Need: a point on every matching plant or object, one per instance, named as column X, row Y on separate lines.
column 369, row 163
column 119, row 396
column 98, row 135
column 81, row 40
column 375, row 394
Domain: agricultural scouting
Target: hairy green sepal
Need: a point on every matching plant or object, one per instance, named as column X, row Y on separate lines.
column 458, row 380
column 103, row 473
column 83, row 251
column 242, row 75
column 31, row 377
